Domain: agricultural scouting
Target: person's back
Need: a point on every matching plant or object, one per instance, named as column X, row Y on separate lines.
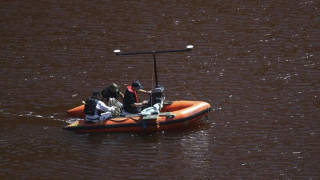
column 95, row 110
column 90, row 106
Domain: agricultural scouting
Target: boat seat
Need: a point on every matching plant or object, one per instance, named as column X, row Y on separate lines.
column 154, row 116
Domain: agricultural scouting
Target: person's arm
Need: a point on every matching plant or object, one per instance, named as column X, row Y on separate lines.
column 139, row 104
column 103, row 107
column 144, row 91
column 132, row 103
column 121, row 96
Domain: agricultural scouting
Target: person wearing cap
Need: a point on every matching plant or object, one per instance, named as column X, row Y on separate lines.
column 96, row 110
column 112, row 91
column 131, row 105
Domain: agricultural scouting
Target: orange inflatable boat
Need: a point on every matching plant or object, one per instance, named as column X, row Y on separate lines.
column 173, row 115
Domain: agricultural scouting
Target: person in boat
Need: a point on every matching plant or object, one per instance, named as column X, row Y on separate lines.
column 131, row 105
column 112, row 91
column 96, row 110
column 111, row 96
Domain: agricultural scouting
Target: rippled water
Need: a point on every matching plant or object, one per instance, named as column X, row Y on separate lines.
column 255, row 62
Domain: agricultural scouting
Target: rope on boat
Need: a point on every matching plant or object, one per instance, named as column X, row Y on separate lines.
column 118, row 120
column 121, row 120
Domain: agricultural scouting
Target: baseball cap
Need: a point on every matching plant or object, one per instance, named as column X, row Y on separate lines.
column 137, row 84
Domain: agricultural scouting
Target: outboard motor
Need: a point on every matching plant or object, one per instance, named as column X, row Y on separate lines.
column 157, row 95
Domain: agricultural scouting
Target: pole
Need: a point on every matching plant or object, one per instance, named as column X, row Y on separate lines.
column 155, row 69
column 119, row 53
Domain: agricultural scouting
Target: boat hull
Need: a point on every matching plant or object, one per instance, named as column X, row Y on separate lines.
column 174, row 115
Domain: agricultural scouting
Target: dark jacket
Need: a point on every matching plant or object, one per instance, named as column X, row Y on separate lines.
column 130, row 97
column 107, row 93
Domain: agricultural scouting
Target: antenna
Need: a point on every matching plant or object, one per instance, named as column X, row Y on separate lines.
column 119, row 53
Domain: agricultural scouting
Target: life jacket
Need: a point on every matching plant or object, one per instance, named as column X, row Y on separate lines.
column 90, row 106
column 134, row 92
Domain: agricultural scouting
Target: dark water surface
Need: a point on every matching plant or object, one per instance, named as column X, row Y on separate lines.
column 256, row 62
